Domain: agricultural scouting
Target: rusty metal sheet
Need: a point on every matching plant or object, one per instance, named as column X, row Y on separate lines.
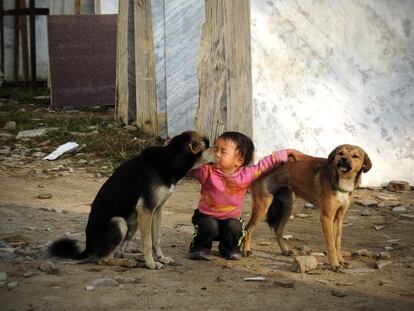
column 82, row 57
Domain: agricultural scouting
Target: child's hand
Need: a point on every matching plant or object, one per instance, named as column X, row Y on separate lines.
column 295, row 155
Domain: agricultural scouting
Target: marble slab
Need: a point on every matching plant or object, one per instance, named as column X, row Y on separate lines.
column 328, row 74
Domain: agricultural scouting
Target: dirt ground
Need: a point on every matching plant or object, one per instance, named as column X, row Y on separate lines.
column 35, row 210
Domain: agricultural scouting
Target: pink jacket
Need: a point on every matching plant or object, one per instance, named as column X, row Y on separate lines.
column 222, row 195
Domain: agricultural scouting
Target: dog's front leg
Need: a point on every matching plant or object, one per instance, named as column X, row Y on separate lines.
column 339, row 218
column 145, row 216
column 327, row 219
column 156, row 238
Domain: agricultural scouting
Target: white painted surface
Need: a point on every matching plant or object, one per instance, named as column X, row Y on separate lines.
column 327, row 73
column 183, row 21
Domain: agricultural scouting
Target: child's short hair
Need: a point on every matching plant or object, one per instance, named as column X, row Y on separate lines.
column 243, row 144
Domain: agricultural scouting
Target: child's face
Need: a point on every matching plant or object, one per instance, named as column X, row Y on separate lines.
column 227, row 158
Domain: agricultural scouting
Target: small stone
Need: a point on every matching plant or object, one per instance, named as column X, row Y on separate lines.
column 264, row 243
column 338, row 293
column 304, row 263
column 48, row 267
column 304, row 249
column 309, row 205
column 287, row 237
column 284, row 284
column 104, row 282
column 398, row 185
column 302, row 215
column 255, row 279
column 378, row 227
column 90, row 287
column 380, row 264
column 389, row 248
column 384, row 255
column 12, row 285
column 3, row 276
column 10, row 126
column 407, row 216
column 28, row 274
column 362, row 252
column 399, row 209
column 318, row 254
column 365, row 212
column 39, row 154
column 44, row 196
column 368, row 202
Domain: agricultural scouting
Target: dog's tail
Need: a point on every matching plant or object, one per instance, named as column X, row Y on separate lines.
column 67, row 248
column 280, row 209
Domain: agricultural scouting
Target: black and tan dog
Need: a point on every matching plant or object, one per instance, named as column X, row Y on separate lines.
column 326, row 183
column 133, row 197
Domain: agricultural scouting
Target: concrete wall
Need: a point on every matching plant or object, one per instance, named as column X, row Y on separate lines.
column 327, row 73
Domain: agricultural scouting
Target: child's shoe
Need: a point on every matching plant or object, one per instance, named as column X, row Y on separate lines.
column 198, row 255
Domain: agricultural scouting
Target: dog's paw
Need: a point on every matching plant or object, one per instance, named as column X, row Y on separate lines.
column 247, row 253
column 166, row 260
column 132, row 263
column 345, row 264
column 155, row 265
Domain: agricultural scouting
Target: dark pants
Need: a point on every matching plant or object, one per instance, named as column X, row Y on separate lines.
column 208, row 229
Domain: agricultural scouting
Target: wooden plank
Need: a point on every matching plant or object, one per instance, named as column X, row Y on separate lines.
column 77, row 7
column 122, row 92
column 224, row 71
column 146, row 94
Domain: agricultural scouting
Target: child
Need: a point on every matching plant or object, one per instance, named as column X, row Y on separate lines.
column 223, row 187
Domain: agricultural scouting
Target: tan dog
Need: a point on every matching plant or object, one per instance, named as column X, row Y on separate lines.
column 326, row 183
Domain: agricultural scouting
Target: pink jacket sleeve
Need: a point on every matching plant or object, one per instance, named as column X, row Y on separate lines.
column 267, row 163
column 199, row 173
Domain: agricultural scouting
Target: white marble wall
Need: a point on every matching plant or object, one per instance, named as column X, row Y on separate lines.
column 183, row 21
column 332, row 72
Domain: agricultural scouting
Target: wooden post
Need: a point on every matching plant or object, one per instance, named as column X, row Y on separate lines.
column 122, row 93
column 77, row 7
column 146, row 92
column 224, row 71
column 24, row 44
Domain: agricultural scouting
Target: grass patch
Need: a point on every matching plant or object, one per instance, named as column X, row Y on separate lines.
column 104, row 140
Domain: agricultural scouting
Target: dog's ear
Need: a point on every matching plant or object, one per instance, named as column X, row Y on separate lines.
column 331, row 156
column 195, row 147
column 367, row 163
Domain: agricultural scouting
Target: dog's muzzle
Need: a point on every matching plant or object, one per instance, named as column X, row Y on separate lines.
column 344, row 164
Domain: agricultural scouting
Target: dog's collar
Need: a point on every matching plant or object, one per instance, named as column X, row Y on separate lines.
column 342, row 190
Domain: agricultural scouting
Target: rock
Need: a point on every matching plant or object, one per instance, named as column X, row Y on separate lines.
column 367, row 202
column 287, row 237
column 304, row 263
column 35, row 133
column 10, row 126
column 366, row 212
column 44, row 196
column 284, row 284
column 104, row 282
column 389, row 248
column 48, row 267
column 318, row 254
column 304, row 249
column 380, row 264
column 12, row 285
column 407, row 216
column 5, row 135
column 309, row 205
column 384, row 255
column 338, row 293
column 362, row 252
column 399, row 209
column 378, row 227
column 90, row 287
column 255, row 279
column 39, row 154
column 5, row 150
column 3, row 276
column 398, row 185
column 302, row 216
